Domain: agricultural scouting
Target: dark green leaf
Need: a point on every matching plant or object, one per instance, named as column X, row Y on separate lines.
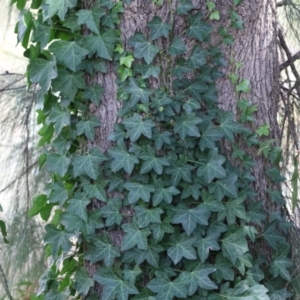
column 198, row 30
column 60, row 117
column 177, row 47
column 88, row 127
column 179, row 171
column 225, row 187
column 58, row 164
column 111, row 212
column 184, row 7
column 158, row 28
column 83, row 282
column 91, row 18
column 78, row 206
column 206, row 244
column 138, row 191
column 137, row 93
column 146, row 216
column 186, row 126
column 164, row 194
column 198, row 58
column 59, row 7
column 93, row 94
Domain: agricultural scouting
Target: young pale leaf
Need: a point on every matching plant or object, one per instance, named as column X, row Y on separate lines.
column 177, row 47
column 88, row 127
column 134, row 237
column 103, row 44
column 122, row 159
column 58, row 164
column 102, row 249
column 68, row 53
column 168, row 290
column 59, row 7
column 88, row 164
column 136, row 127
column 198, row 278
column 68, row 83
column 189, row 218
column 138, row 191
column 184, row 7
column 83, row 282
column 113, row 286
column 183, row 247
column 158, row 28
column 58, row 239
column 91, row 18
column 186, row 126
column 143, row 48
column 42, row 71
column 234, row 245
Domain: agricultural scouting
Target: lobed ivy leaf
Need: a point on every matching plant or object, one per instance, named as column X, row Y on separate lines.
column 122, row 159
column 206, row 244
column 131, row 275
column 158, row 28
column 143, row 48
column 177, row 47
column 83, row 282
column 179, row 171
column 159, row 230
column 272, row 235
column 184, row 7
column 68, row 53
column 145, row 294
column 225, row 187
column 198, row 29
column 78, row 206
column 59, row 7
column 138, row 191
column 168, row 290
column 103, row 44
column 136, row 127
column 152, row 161
column 58, row 164
column 68, row 83
column 147, row 216
column 111, row 211
column 190, row 217
column 151, row 255
column 164, row 194
column 88, row 127
column 58, row 239
column 42, row 71
column 42, row 34
column 58, row 194
column 186, row 126
column 134, row 237
column 228, row 126
column 224, row 269
column 93, row 94
column 197, row 58
column 113, row 286
column 182, row 246
column 88, row 164
column 60, row 117
column 280, row 266
column 209, row 135
column 198, row 278
column 102, row 250
column 161, row 138
column 96, row 190
column 148, row 70
column 137, row 93
column 91, row 18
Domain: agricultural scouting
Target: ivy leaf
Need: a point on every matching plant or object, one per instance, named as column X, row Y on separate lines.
column 42, row 71
column 161, row 138
column 102, row 249
column 138, row 191
column 111, row 211
column 177, row 47
column 168, row 290
column 137, row 93
column 272, row 236
column 77, row 207
column 280, row 266
column 206, row 244
column 186, row 126
column 198, row 278
column 179, row 171
column 145, row 294
column 136, row 126
column 60, row 7
column 88, row 164
column 189, row 218
column 146, row 216
column 191, row 190
column 183, row 247
column 114, row 287
column 55, row 295
column 224, row 269
column 151, row 255
column 164, row 194
column 58, row 164
column 122, row 159
column 83, row 282
column 234, row 245
column 159, row 230
column 58, row 239
column 152, row 162
column 42, row 34
column 95, row 190
column 184, row 7
column 211, row 166
column 131, row 275
column 91, row 18
column 93, row 94
column 68, row 53
column 68, row 83
column 103, row 44
column 198, row 58
column 209, row 135
column 198, row 30
column 228, row 126
column 225, row 187
column 148, row 70
column 58, row 194
column 143, row 48
column 158, row 28
column 88, row 127
column 60, row 117
column 134, row 237
column 255, row 212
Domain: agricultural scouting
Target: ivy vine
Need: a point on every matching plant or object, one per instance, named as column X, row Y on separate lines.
column 186, row 213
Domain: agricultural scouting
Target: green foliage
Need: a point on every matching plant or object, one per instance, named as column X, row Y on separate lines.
column 176, row 215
